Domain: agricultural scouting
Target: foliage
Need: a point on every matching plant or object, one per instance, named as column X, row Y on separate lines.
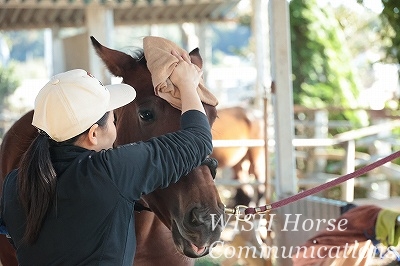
column 25, row 44
column 229, row 39
column 390, row 30
column 206, row 261
column 8, row 82
column 361, row 29
column 322, row 71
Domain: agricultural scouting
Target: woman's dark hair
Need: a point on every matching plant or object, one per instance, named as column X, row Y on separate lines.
column 37, row 181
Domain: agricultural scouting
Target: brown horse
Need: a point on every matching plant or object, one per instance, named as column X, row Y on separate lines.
column 239, row 123
column 179, row 225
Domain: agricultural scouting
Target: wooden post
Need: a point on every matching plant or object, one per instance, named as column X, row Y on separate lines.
column 347, row 187
column 57, row 57
column 317, row 165
column 205, row 46
column 281, row 68
column 261, row 38
column 100, row 24
column 281, row 74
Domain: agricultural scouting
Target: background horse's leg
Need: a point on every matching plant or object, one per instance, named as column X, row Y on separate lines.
column 250, row 169
column 243, row 194
column 257, row 169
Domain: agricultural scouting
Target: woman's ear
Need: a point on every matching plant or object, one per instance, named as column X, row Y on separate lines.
column 92, row 135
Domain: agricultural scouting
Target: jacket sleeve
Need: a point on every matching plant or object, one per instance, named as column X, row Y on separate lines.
column 140, row 168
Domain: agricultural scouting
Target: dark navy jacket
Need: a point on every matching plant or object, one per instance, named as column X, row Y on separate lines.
column 92, row 220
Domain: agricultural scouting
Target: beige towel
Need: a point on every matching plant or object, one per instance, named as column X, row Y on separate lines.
column 161, row 64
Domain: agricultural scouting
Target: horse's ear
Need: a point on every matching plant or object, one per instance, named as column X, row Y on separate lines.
column 116, row 62
column 195, row 57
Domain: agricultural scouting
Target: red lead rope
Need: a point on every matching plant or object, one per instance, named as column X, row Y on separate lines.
column 311, row 191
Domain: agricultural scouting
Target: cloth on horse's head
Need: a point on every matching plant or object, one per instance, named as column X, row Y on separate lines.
column 161, row 63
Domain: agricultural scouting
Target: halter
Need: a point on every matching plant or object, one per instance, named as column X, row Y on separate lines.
column 212, row 164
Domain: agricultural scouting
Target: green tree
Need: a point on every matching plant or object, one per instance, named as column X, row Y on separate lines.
column 361, row 30
column 390, row 30
column 25, row 45
column 322, row 71
column 8, row 83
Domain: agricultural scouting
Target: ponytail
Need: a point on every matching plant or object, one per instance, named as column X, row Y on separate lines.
column 36, row 185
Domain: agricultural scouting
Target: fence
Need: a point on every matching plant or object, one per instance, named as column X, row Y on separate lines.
column 316, row 151
column 342, row 148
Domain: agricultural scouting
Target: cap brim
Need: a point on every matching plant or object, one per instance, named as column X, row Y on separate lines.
column 120, row 95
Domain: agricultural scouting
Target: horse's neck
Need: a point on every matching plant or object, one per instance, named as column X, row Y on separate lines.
column 155, row 245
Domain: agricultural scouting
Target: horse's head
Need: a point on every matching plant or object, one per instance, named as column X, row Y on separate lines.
column 185, row 207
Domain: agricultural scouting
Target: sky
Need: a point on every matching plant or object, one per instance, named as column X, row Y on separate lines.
column 374, row 5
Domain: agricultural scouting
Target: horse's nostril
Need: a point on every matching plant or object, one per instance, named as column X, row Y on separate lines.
column 195, row 217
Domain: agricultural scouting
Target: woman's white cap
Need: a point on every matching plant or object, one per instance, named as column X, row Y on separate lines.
column 71, row 102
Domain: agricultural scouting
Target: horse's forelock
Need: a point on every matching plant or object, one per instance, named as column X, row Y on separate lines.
column 135, row 52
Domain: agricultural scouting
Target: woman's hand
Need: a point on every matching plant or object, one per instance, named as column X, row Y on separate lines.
column 186, row 76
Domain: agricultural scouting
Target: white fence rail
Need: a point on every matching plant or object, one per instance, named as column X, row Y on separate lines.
column 347, row 140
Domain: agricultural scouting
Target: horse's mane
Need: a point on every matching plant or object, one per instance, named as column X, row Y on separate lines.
column 138, row 54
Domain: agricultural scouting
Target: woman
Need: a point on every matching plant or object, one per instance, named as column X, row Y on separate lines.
column 72, row 200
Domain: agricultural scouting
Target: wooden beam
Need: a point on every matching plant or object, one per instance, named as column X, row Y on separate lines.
column 15, row 16
column 281, row 69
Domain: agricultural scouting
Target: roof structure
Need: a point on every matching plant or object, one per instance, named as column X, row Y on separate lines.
column 36, row 14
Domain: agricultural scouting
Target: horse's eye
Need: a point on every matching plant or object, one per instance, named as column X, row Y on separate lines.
column 146, row 115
